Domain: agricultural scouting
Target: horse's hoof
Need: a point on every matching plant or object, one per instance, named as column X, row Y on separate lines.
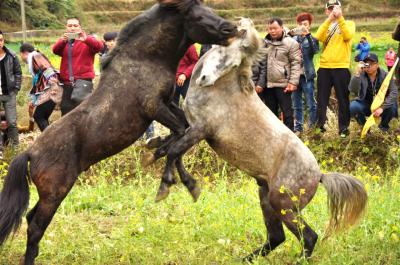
column 162, row 193
column 195, row 192
column 248, row 259
column 148, row 159
column 154, row 142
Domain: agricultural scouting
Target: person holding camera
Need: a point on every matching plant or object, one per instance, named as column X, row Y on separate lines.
column 365, row 83
column 10, row 84
column 336, row 34
column 77, row 51
column 363, row 47
column 309, row 47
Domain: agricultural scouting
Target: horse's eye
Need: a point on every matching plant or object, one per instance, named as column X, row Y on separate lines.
column 199, row 18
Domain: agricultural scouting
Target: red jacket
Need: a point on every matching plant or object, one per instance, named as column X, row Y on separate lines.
column 83, row 53
column 187, row 63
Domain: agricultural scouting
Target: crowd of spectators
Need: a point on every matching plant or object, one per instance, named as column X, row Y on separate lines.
column 284, row 79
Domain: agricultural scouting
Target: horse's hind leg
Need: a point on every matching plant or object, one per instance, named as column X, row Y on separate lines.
column 275, row 233
column 192, row 137
column 289, row 206
column 51, row 195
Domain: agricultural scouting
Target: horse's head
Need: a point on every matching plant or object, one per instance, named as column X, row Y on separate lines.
column 201, row 24
column 221, row 60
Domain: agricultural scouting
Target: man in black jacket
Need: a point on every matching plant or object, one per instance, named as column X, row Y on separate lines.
column 10, row 84
column 366, row 83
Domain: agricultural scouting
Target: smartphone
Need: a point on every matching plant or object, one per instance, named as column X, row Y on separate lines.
column 297, row 31
column 72, row 36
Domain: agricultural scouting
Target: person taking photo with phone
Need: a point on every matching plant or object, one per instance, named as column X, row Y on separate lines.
column 77, row 51
column 309, row 47
column 365, row 83
column 336, row 34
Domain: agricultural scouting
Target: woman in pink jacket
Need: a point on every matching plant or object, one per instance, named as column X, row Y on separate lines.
column 390, row 58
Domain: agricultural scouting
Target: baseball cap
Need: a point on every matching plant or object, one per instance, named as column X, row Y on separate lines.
column 372, row 57
column 333, row 3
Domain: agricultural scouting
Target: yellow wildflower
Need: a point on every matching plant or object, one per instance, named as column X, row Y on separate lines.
column 295, row 221
column 282, row 189
column 375, row 177
column 295, row 198
column 283, row 211
column 302, row 191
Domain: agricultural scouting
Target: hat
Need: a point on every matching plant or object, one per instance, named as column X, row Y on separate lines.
column 333, row 3
column 372, row 57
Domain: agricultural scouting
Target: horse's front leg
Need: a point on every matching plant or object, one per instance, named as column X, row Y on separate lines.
column 166, row 117
column 162, row 144
column 192, row 137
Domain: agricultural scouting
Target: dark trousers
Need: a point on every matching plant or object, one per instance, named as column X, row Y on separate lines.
column 66, row 103
column 181, row 91
column 42, row 114
column 275, row 98
column 360, row 110
column 339, row 78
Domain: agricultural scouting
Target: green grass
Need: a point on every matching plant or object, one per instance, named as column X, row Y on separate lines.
column 110, row 217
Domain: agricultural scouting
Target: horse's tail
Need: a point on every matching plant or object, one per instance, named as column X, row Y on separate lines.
column 14, row 198
column 347, row 200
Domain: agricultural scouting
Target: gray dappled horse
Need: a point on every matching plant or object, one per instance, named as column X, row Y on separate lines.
column 223, row 108
column 135, row 88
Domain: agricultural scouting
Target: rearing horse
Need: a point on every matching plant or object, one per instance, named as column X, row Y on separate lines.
column 135, row 88
column 223, row 108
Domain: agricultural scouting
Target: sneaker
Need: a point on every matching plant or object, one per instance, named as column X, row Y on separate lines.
column 344, row 133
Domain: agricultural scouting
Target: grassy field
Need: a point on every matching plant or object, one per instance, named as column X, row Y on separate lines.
column 110, row 217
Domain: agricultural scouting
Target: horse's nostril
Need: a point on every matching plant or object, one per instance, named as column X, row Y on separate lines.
column 228, row 29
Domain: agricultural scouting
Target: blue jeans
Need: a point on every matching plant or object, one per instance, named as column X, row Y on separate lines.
column 360, row 110
column 305, row 87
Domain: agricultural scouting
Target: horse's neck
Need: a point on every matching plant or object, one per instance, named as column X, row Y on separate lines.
column 157, row 35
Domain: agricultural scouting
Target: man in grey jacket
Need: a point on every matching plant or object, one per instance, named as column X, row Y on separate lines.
column 10, row 84
column 279, row 74
column 366, row 83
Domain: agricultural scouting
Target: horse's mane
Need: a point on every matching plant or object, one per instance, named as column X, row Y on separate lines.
column 138, row 22
column 255, row 52
column 183, row 6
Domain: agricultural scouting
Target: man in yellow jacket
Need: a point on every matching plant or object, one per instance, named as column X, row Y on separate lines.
column 336, row 34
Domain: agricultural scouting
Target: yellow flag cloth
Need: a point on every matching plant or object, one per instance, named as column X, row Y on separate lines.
column 378, row 101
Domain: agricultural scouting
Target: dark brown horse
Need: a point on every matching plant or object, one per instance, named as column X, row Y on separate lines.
column 135, row 89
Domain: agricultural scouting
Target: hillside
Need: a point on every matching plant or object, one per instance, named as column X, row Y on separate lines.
column 103, row 15
column 371, row 15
